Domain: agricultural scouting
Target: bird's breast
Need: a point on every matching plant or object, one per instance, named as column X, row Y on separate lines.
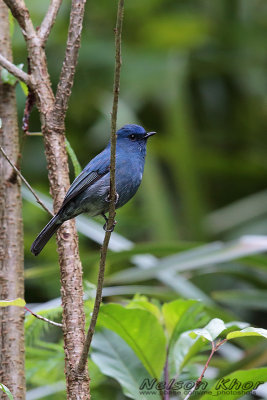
column 129, row 175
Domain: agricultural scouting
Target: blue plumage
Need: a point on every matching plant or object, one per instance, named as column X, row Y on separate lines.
column 89, row 191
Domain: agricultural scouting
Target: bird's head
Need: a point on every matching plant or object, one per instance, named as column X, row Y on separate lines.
column 134, row 133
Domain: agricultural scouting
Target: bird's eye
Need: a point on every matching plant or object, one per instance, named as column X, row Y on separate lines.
column 132, row 137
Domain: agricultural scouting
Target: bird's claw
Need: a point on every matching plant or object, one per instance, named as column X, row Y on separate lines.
column 108, row 199
column 105, row 226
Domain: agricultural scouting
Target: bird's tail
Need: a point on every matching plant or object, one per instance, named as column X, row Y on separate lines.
column 45, row 235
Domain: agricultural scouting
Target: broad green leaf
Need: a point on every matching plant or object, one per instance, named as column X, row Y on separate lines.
column 6, row 391
column 211, row 331
column 193, row 317
column 185, row 348
column 116, row 359
column 74, row 159
column 233, row 325
column 182, row 315
column 236, row 384
column 249, row 331
column 141, row 330
column 16, row 302
column 142, row 302
column 174, row 311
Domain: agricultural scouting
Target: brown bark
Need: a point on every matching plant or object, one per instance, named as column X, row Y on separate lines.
column 52, row 113
column 11, row 235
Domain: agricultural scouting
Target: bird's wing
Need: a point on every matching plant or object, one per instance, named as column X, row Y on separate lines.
column 93, row 171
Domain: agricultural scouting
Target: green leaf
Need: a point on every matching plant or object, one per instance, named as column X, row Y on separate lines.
column 16, row 302
column 198, row 258
column 142, row 302
column 185, row 348
column 11, row 24
column 188, row 344
column 237, row 384
column 179, row 316
column 136, row 326
column 117, row 360
column 74, row 159
column 232, row 326
column 249, row 298
column 173, row 312
column 7, row 77
column 6, row 391
column 211, row 331
column 44, row 364
column 249, row 331
column 24, row 88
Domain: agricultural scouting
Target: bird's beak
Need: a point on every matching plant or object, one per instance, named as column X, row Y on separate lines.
column 148, row 134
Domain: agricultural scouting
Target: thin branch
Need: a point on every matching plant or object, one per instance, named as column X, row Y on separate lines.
column 116, row 91
column 21, row 13
column 112, row 213
column 198, row 381
column 43, row 318
column 49, row 20
column 25, row 181
column 71, row 55
column 98, row 300
column 17, row 72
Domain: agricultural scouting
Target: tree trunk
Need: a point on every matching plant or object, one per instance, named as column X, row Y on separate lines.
column 11, row 235
column 52, row 112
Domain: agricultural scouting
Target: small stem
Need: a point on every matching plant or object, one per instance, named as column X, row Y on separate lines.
column 112, row 206
column 166, row 378
column 43, row 318
column 25, row 181
column 198, row 381
column 14, row 70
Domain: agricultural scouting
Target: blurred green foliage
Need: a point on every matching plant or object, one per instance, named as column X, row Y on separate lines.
column 195, row 72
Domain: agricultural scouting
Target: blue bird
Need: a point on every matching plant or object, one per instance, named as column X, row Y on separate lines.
column 89, row 192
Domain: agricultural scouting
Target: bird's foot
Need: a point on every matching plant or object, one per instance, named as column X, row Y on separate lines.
column 105, row 226
column 108, row 199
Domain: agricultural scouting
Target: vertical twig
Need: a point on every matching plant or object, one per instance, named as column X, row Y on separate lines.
column 112, row 212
